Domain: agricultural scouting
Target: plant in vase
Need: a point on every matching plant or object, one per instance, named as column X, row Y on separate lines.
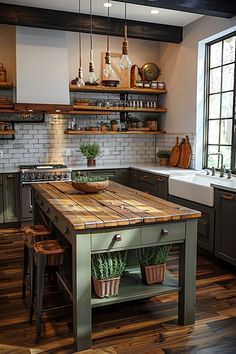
column 106, row 270
column 91, row 151
column 153, row 263
column 114, row 125
column 151, row 122
column 104, row 126
column 164, row 156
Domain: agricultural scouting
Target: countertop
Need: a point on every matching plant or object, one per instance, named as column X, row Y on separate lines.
column 149, row 167
column 117, row 206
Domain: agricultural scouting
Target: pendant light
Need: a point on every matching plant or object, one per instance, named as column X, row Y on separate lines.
column 108, row 70
column 80, row 81
column 91, row 76
column 125, row 62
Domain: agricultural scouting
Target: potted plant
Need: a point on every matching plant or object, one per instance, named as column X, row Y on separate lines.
column 90, row 151
column 114, row 125
column 163, row 157
column 153, row 263
column 106, row 270
column 104, row 126
column 152, row 123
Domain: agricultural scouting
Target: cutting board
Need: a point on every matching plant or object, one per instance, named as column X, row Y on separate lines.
column 185, row 153
column 175, row 154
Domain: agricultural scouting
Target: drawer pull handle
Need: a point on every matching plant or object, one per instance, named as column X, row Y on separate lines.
column 117, row 237
column 66, row 232
column 48, row 211
column 228, row 196
column 160, row 179
column 164, row 231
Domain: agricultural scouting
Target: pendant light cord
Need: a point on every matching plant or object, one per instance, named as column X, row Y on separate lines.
column 108, row 27
column 91, row 25
column 125, row 22
column 80, row 39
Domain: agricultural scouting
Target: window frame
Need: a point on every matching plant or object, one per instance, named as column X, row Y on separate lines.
column 207, row 95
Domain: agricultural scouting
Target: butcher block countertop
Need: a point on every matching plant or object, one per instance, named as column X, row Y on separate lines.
column 117, row 206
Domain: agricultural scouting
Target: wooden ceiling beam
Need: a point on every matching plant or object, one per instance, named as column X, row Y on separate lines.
column 70, row 21
column 219, row 8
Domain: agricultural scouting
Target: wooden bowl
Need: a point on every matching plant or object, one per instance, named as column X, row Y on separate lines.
column 91, row 187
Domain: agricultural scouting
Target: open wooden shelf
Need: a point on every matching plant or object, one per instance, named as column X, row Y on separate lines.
column 140, row 91
column 6, row 85
column 99, row 132
column 7, row 132
column 118, row 109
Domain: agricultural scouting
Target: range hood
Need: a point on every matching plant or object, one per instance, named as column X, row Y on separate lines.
column 42, row 78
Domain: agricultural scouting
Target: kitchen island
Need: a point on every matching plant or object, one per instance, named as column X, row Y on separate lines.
column 119, row 218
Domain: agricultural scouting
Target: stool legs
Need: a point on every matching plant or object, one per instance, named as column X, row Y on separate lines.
column 40, row 288
column 25, row 266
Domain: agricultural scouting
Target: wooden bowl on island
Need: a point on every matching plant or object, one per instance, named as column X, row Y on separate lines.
column 90, row 184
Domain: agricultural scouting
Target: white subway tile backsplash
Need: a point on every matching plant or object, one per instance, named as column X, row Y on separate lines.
column 46, row 143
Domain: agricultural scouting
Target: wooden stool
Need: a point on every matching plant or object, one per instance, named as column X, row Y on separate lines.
column 48, row 253
column 33, row 233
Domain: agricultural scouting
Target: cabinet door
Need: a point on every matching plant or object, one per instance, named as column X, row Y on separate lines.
column 11, row 197
column 120, row 175
column 1, row 201
column 205, row 226
column 162, row 187
column 133, row 178
column 225, row 226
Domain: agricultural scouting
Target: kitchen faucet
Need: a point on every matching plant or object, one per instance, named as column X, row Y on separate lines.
column 222, row 169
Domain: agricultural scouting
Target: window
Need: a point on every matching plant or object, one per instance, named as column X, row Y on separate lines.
column 220, row 127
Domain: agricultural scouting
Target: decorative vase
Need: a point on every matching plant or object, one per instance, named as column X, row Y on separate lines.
column 164, row 161
column 91, row 162
column 153, row 274
column 114, row 127
column 152, row 125
column 106, row 287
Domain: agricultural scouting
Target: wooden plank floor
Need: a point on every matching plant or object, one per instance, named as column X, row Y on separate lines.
column 140, row 327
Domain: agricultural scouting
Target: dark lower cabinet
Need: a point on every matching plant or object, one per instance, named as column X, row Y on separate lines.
column 9, row 198
column 205, row 227
column 149, row 183
column 119, row 175
column 225, row 225
column 1, row 202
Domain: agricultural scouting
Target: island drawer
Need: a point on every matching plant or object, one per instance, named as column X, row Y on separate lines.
column 163, row 233
column 116, row 239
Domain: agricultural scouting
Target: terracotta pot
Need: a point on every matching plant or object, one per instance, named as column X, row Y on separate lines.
column 106, row 287
column 152, row 124
column 114, row 127
column 153, row 274
column 164, row 161
column 91, row 162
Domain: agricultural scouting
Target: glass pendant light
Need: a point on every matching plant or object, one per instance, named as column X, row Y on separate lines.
column 91, row 76
column 108, row 70
column 125, row 62
column 80, row 81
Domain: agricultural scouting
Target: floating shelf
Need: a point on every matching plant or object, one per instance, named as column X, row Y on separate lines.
column 7, row 132
column 99, row 132
column 140, row 91
column 6, row 85
column 119, row 109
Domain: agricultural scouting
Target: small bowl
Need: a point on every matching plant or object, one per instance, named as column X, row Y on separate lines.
column 111, row 83
column 91, row 187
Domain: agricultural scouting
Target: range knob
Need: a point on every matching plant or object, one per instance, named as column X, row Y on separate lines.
column 44, row 176
column 55, row 176
column 50, row 176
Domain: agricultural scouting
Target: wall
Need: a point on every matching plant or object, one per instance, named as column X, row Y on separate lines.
column 46, row 142
column 8, row 49
column 179, row 71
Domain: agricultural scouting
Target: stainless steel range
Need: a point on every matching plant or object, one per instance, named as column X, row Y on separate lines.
column 38, row 174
